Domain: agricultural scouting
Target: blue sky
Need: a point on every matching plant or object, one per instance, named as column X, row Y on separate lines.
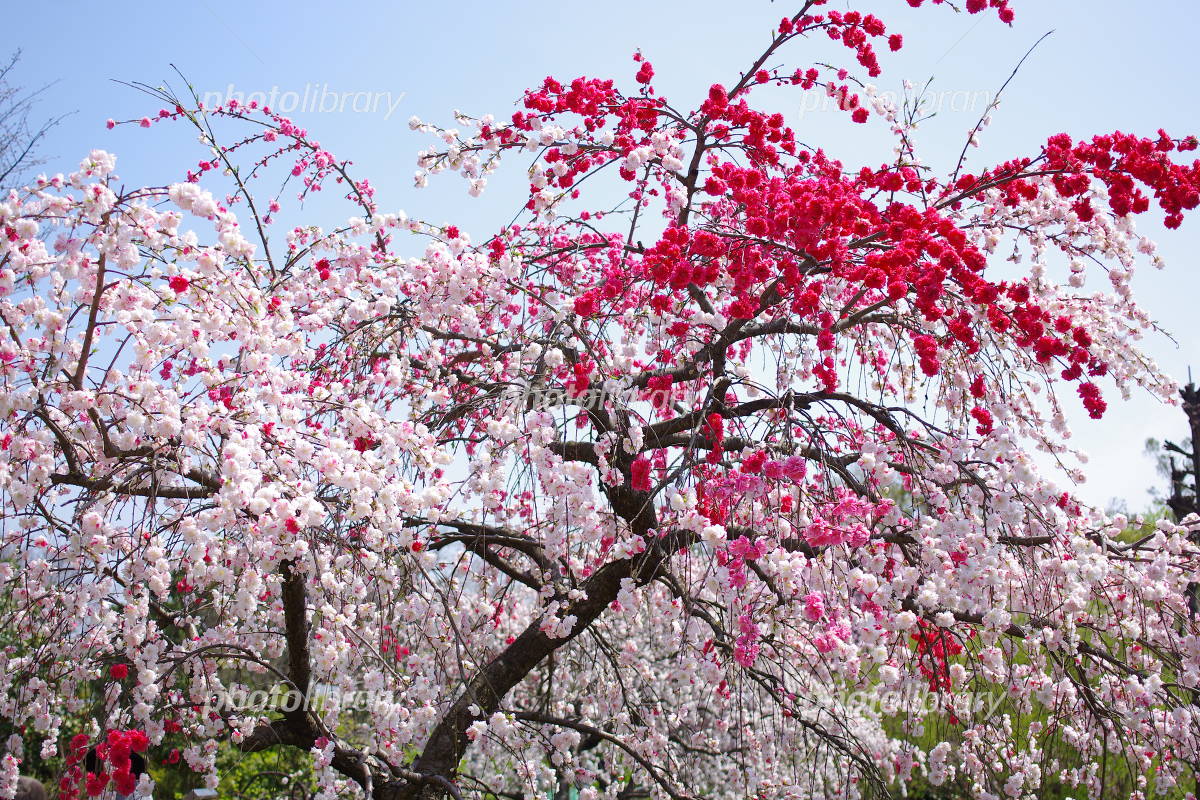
column 1109, row 65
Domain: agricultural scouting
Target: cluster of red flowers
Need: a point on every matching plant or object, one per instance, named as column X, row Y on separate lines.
column 796, row 223
column 759, row 133
column 640, row 475
column 713, row 432
column 1120, row 159
column 364, row 443
column 811, row 217
column 591, row 98
column 936, row 644
column 116, row 750
column 852, row 29
column 1090, row 393
column 817, row 212
column 976, row 6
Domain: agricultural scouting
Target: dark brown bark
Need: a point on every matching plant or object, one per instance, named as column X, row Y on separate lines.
column 448, row 743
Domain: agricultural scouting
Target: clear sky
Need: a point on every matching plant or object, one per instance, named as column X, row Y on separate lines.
column 1109, row 65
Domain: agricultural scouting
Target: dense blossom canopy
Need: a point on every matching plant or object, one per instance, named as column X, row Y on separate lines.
column 661, row 495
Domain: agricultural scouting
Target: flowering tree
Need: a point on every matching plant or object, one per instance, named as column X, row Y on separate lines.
column 589, row 514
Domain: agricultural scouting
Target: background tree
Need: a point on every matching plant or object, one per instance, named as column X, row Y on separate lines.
column 676, row 520
column 21, row 132
column 1179, row 463
column 1182, row 472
